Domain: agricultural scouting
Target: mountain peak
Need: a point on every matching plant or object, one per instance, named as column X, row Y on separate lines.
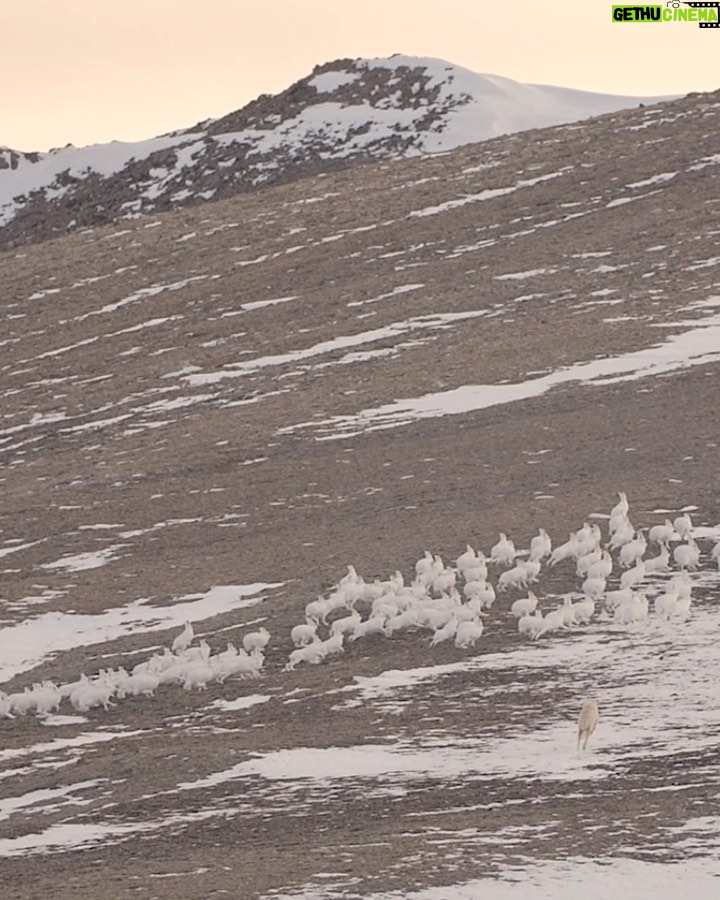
column 345, row 111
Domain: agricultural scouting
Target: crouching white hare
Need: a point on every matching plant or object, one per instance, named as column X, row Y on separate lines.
column 587, row 722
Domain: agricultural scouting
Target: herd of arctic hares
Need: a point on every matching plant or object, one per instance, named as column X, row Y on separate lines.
column 449, row 602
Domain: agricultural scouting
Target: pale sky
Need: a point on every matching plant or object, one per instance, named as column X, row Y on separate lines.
column 89, row 71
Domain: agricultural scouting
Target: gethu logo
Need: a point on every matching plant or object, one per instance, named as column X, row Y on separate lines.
column 707, row 15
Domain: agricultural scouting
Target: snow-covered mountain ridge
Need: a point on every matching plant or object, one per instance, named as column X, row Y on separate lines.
column 346, row 111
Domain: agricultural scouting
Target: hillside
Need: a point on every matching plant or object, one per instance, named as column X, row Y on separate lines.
column 208, row 414
column 343, row 113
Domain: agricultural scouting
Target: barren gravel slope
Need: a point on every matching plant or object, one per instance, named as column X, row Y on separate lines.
column 233, row 395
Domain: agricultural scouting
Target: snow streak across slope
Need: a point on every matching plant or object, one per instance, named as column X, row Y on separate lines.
column 348, row 110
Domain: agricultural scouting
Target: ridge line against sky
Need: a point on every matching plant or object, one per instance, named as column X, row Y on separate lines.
column 85, row 72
